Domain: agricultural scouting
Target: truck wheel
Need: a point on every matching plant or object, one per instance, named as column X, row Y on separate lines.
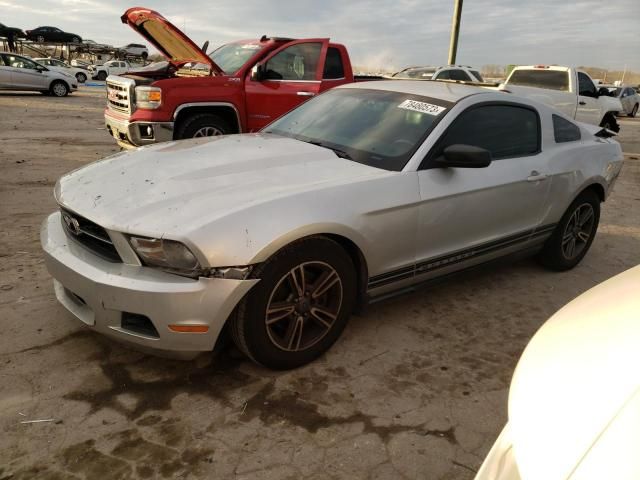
column 81, row 77
column 300, row 306
column 203, row 125
column 634, row 111
column 609, row 122
column 574, row 234
column 102, row 75
column 59, row 89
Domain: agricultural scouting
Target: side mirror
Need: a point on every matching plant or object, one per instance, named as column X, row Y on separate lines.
column 258, row 72
column 464, row 156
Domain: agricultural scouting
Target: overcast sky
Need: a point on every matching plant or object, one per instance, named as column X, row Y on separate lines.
column 388, row 34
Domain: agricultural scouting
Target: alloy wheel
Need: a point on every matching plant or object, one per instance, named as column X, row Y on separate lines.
column 303, row 306
column 208, row 131
column 578, row 231
column 59, row 90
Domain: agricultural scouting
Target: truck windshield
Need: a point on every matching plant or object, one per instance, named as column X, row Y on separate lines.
column 375, row 127
column 551, row 79
column 230, row 58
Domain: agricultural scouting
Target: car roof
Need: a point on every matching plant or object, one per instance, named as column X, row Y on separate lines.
column 448, row 91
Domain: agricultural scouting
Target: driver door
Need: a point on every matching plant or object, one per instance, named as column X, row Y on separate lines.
column 24, row 73
column 293, row 75
column 588, row 106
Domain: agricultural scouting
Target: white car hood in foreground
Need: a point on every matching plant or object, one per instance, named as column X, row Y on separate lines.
column 574, row 402
column 180, row 186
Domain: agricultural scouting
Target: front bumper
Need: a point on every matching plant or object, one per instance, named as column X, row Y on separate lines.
column 135, row 134
column 101, row 293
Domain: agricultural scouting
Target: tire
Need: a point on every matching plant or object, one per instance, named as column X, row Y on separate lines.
column 556, row 253
column 144, row 55
column 81, row 77
column 203, row 125
column 301, row 327
column 610, row 123
column 75, row 40
column 59, row 89
column 40, row 39
column 102, row 75
column 634, row 111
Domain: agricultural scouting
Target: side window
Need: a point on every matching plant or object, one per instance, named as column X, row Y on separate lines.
column 2, row 61
column 444, row 75
column 564, row 130
column 585, row 86
column 504, row 130
column 333, row 67
column 20, row 62
column 477, row 75
column 298, row 62
column 459, row 75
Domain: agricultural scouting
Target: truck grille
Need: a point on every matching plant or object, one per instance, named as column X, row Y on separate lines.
column 90, row 235
column 120, row 93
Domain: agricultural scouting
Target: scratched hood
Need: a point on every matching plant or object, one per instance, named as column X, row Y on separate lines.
column 177, row 187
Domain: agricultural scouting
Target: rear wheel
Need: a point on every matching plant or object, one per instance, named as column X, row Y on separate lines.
column 59, row 89
column 203, row 125
column 610, row 123
column 300, row 306
column 573, row 236
column 81, row 77
column 75, row 40
column 634, row 111
column 102, row 75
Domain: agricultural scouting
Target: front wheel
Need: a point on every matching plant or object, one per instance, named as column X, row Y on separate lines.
column 610, row 123
column 634, row 111
column 203, row 125
column 573, row 236
column 102, row 75
column 300, row 306
column 59, row 89
column 81, row 77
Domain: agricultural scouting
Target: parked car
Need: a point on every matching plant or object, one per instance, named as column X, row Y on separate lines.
column 629, row 98
column 6, row 31
column 18, row 72
column 112, row 67
column 277, row 236
column 458, row 72
column 578, row 379
column 415, row 73
column 83, row 64
column 136, row 49
column 91, row 45
column 52, row 34
column 244, row 86
column 571, row 91
column 59, row 65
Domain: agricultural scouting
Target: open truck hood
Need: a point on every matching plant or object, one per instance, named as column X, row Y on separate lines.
column 167, row 38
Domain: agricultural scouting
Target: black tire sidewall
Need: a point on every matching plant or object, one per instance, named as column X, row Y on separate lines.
column 81, row 77
column 194, row 123
column 102, row 75
column 634, row 111
column 252, row 311
column 551, row 255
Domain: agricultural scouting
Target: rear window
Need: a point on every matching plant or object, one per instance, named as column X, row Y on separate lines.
column 551, row 79
column 477, row 75
column 333, row 68
column 564, row 130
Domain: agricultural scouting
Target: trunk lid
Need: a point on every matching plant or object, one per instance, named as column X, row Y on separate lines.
column 167, row 38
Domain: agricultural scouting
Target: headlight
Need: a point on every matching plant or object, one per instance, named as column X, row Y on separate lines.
column 167, row 255
column 148, row 97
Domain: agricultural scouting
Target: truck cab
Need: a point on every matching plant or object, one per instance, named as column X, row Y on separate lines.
column 240, row 87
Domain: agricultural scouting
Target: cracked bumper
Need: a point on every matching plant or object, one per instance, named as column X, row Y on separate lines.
column 137, row 134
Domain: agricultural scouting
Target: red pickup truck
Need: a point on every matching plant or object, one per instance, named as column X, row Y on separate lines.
column 240, row 87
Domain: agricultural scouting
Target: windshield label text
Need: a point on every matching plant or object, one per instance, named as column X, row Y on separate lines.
column 422, row 107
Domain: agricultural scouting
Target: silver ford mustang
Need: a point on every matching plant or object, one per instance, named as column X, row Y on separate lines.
column 366, row 190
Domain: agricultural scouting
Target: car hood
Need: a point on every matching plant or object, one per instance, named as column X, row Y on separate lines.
column 167, row 38
column 574, row 402
column 178, row 187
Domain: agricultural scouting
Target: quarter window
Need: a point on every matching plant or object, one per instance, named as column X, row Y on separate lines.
column 298, row 62
column 564, row 130
column 505, row 130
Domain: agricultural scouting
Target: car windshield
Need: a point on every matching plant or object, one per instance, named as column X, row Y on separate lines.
column 418, row 73
column 230, row 58
column 378, row 128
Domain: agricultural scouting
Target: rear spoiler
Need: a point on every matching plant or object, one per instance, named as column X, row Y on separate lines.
column 597, row 131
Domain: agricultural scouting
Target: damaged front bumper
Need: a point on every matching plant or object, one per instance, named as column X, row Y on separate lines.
column 137, row 134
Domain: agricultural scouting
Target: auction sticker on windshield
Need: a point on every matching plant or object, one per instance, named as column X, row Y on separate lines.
column 422, row 107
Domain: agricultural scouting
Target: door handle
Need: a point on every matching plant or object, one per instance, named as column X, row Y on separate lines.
column 582, row 103
column 305, row 94
column 536, row 176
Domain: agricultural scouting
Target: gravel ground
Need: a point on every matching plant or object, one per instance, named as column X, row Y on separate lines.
column 416, row 387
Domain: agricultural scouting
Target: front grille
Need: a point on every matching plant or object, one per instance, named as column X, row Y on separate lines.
column 119, row 94
column 90, row 235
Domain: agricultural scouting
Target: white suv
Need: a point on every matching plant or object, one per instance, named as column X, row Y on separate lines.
column 458, row 72
column 136, row 49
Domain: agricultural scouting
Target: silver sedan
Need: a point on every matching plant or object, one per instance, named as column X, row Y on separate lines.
column 276, row 237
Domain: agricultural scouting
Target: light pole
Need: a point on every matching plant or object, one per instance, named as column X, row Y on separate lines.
column 455, row 30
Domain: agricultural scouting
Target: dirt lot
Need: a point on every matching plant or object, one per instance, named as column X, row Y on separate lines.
column 416, row 388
